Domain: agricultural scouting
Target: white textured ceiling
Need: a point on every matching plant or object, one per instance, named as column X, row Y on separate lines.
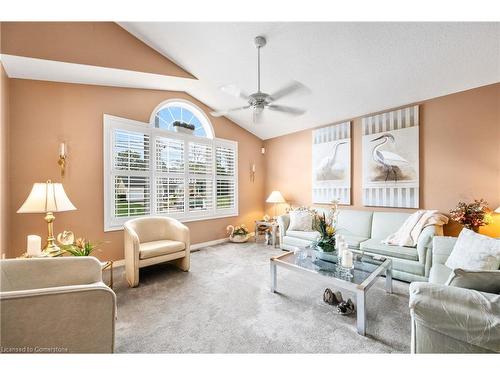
column 352, row 69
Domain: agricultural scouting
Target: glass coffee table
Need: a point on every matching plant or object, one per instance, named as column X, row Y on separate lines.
column 357, row 280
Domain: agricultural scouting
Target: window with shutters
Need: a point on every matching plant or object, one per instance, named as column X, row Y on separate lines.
column 151, row 170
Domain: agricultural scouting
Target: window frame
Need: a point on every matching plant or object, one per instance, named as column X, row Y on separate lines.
column 113, row 223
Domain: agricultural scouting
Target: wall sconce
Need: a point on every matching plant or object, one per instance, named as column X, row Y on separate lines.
column 62, row 158
column 252, row 172
column 262, row 150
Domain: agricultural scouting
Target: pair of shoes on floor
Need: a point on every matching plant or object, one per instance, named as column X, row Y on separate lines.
column 335, row 299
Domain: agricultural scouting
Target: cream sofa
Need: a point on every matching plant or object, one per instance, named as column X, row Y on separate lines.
column 55, row 305
column 448, row 319
column 152, row 240
column 364, row 230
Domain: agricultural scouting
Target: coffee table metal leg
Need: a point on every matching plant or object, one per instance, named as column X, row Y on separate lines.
column 274, row 280
column 360, row 313
column 388, row 279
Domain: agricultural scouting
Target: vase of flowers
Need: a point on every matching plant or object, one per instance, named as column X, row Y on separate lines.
column 471, row 215
column 79, row 247
column 325, row 225
column 238, row 234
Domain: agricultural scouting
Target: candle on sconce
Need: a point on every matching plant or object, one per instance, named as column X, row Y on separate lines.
column 62, row 150
column 34, row 245
column 347, row 259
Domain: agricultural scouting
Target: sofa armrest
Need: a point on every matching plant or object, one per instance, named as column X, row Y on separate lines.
column 179, row 232
column 424, row 241
column 37, row 273
column 284, row 223
column 441, row 248
column 67, row 319
column 463, row 314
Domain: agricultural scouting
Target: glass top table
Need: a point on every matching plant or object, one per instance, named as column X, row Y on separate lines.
column 358, row 280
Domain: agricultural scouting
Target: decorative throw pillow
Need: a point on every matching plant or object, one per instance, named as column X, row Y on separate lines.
column 300, row 220
column 484, row 281
column 474, row 252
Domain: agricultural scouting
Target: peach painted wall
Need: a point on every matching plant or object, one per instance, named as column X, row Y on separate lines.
column 91, row 43
column 44, row 113
column 459, row 154
column 4, row 120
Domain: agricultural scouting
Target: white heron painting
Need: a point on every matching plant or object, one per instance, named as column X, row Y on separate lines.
column 391, row 159
column 331, row 164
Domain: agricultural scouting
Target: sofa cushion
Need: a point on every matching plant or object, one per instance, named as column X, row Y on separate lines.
column 304, row 235
column 474, row 251
column 354, row 222
column 375, row 246
column 295, row 241
column 300, row 220
column 352, row 240
column 439, row 274
column 157, row 248
column 484, row 281
column 386, row 223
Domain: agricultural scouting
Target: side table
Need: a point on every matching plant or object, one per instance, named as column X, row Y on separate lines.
column 108, row 265
column 273, row 225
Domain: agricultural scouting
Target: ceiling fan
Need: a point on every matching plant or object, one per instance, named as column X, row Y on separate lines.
column 259, row 101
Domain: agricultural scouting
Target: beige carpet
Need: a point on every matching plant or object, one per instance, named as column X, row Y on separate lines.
column 223, row 305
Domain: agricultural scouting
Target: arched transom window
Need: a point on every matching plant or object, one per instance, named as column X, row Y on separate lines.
column 182, row 116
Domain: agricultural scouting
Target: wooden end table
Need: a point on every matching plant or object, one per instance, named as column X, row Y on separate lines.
column 273, row 225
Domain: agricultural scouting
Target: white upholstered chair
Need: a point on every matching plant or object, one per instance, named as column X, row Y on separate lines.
column 151, row 240
column 55, row 305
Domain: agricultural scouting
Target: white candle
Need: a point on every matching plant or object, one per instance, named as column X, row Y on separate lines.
column 347, row 259
column 34, row 247
column 253, row 168
column 62, row 150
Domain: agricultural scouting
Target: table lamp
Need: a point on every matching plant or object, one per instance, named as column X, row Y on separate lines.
column 47, row 198
column 275, row 198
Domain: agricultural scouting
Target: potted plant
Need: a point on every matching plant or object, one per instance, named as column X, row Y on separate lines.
column 79, row 247
column 183, row 127
column 238, row 234
column 471, row 215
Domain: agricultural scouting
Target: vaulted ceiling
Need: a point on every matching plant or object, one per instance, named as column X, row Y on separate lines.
column 351, row 69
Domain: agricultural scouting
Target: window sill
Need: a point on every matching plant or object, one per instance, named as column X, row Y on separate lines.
column 117, row 227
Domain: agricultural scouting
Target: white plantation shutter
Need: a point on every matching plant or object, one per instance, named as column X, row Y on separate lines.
column 150, row 171
column 200, row 158
column 200, row 194
column 170, row 185
column 131, row 181
column 225, row 170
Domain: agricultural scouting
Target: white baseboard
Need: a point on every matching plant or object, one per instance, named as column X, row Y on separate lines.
column 194, row 247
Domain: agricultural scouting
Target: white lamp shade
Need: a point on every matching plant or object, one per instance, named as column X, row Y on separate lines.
column 46, row 197
column 497, row 210
column 275, row 197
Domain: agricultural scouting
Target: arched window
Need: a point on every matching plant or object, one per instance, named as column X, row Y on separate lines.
column 172, row 166
column 181, row 116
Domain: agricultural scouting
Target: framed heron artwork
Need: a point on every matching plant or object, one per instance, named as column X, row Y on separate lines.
column 331, row 164
column 391, row 159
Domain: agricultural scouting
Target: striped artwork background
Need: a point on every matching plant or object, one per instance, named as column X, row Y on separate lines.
column 400, row 119
column 406, row 195
column 332, row 133
column 326, row 191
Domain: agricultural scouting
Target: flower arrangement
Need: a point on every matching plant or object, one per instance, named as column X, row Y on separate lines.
column 325, row 225
column 471, row 215
column 79, row 247
column 238, row 233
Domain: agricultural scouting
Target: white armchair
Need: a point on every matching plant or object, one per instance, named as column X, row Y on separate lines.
column 55, row 305
column 152, row 240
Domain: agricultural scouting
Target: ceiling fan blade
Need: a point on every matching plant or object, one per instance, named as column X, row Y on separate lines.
column 286, row 109
column 233, row 90
column 225, row 112
column 292, row 87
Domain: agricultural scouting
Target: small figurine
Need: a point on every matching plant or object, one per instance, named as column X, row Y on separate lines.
column 335, row 299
